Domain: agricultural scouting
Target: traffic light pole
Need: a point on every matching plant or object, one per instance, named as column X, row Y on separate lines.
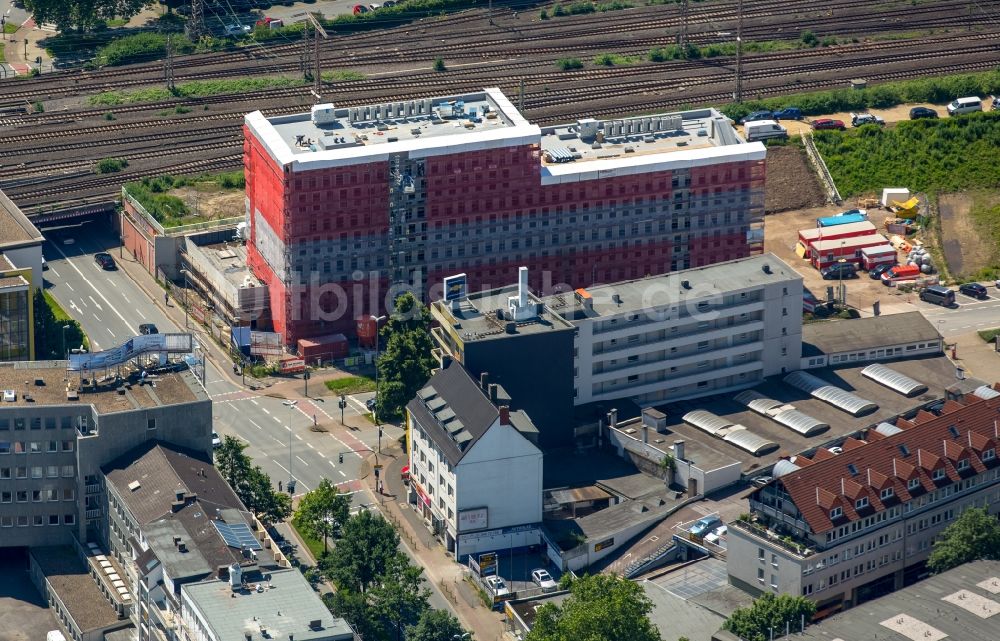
column 378, row 467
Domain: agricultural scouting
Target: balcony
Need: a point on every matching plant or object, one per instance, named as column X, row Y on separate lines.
column 94, row 514
column 93, row 488
column 756, row 530
column 689, row 337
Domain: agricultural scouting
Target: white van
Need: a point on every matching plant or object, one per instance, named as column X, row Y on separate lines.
column 965, row 105
column 763, row 130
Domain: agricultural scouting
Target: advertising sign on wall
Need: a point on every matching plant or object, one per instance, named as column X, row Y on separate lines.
column 455, row 287
column 603, row 545
column 474, row 519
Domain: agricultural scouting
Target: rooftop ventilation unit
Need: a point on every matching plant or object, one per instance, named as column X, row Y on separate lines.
column 766, row 268
column 686, row 284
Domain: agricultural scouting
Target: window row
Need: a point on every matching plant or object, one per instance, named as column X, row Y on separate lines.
column 37, row 471
column 37, row 520
column 36, row 447
column 37, row 496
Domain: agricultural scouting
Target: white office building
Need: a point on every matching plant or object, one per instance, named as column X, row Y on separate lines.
column 685, row 334
column 475, row 472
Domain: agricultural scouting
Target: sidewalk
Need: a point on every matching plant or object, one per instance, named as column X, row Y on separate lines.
column 439, row 568
column 977, row 357
column 14, row 52
column 213, row 352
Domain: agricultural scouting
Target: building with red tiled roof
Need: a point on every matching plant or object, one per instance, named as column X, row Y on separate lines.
column 846, row 525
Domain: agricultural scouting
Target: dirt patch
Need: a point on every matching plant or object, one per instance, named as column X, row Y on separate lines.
column 210, row 202
column 791, row 181
column 967, row 249
column 781, row 233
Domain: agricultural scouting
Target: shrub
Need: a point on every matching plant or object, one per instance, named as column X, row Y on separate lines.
column 614, row 5
column 557, row 10
column 662, row 54
column 109, row 116
column 543, row 14
column 567, row 64
column 111, row 165
column 439, row 65
column 809, row 39
column 38, row 107
column 139, row 47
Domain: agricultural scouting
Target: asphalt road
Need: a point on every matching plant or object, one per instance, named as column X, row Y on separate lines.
column 110, row 306
column 970, row 314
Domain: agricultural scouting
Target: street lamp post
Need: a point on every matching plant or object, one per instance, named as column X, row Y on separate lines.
column 291, row 477
column 64, row 328
column 377, row 320
column 185, row 272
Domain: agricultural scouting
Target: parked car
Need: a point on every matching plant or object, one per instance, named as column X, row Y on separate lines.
column 759, row 130
column 374, row 6
column 705, row 525
column 216, row 440
column 148, row 328
column 716, row 534
column 237, row 29
column 967, row 105
column 370, row 404
column 995, row 103
column 876, row 272
column 757, row 115
column 828, row 123
column 105, row 261
column 788, row 113
column 857, row 120
column 839, row 270
column 938, row 295
column 922, row 112
column 974, row 290
column 496, row 585
column 359, row 9
column 543, row 579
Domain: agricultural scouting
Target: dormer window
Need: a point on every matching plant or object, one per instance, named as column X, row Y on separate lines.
column 886, row 493
column 989, row 455
column 938, row 474
column 861, row 503
column 836, row 513
column 913, row 484
column 963, row 464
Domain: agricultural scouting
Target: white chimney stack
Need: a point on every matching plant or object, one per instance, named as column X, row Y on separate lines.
column 522, row 287
column 520, row 307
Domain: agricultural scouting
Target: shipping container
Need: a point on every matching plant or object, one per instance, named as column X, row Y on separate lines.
column 827, row 252
column 841, row 219
column 872, row 257
column 323, row 348
column 861, row 228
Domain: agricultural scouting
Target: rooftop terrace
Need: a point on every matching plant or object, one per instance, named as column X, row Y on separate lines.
column 476, row 316
column 48, row 383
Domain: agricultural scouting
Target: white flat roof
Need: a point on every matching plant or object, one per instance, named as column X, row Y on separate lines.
column 587, row 150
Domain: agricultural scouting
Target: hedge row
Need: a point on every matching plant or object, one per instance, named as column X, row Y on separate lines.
column 140, row 47
column 933, row 90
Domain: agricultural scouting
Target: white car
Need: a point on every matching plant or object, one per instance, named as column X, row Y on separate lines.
column 866, row 119
column 237, row 29
column 716, row 534
column 543, row 579
column 496, row 585
column 216, row 440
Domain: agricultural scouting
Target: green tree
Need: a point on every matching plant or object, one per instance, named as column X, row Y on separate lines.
column 49, row 329
column 435, row 625
column 405, row 364
column 322, row 512
column 82, row 15
column 400, row 598
column 353, row 607
column 231, row 462
column 767, row 612
column 250, row 483
column 365, row 553
column 260, row 497
column 975, row 534
column 599, row 607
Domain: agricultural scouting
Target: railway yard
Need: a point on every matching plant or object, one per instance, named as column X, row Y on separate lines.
column 49, row 155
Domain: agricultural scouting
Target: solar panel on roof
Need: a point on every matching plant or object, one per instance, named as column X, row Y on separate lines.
column 894, row 380
column 841, row 399
column 237, row 535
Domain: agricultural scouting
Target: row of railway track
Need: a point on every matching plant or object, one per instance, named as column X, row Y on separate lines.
column 49, row 156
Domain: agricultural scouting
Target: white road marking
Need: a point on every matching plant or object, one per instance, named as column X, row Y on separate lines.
column 97, row 291
column 96, row 317
column 67, row 284
column 310, row 446
column 332, row 465
column 254, row 424
column 128, row 301
column 266, row 411
column 254, row 401
column 289, row 473
column 298, row 437
column 84, row 303
column 278, row 441
column 303, row 462
column 96, row 304
column 322, row 454
column 275, row 418
column 51, row 269
column 112, row 333
column 342, row 473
